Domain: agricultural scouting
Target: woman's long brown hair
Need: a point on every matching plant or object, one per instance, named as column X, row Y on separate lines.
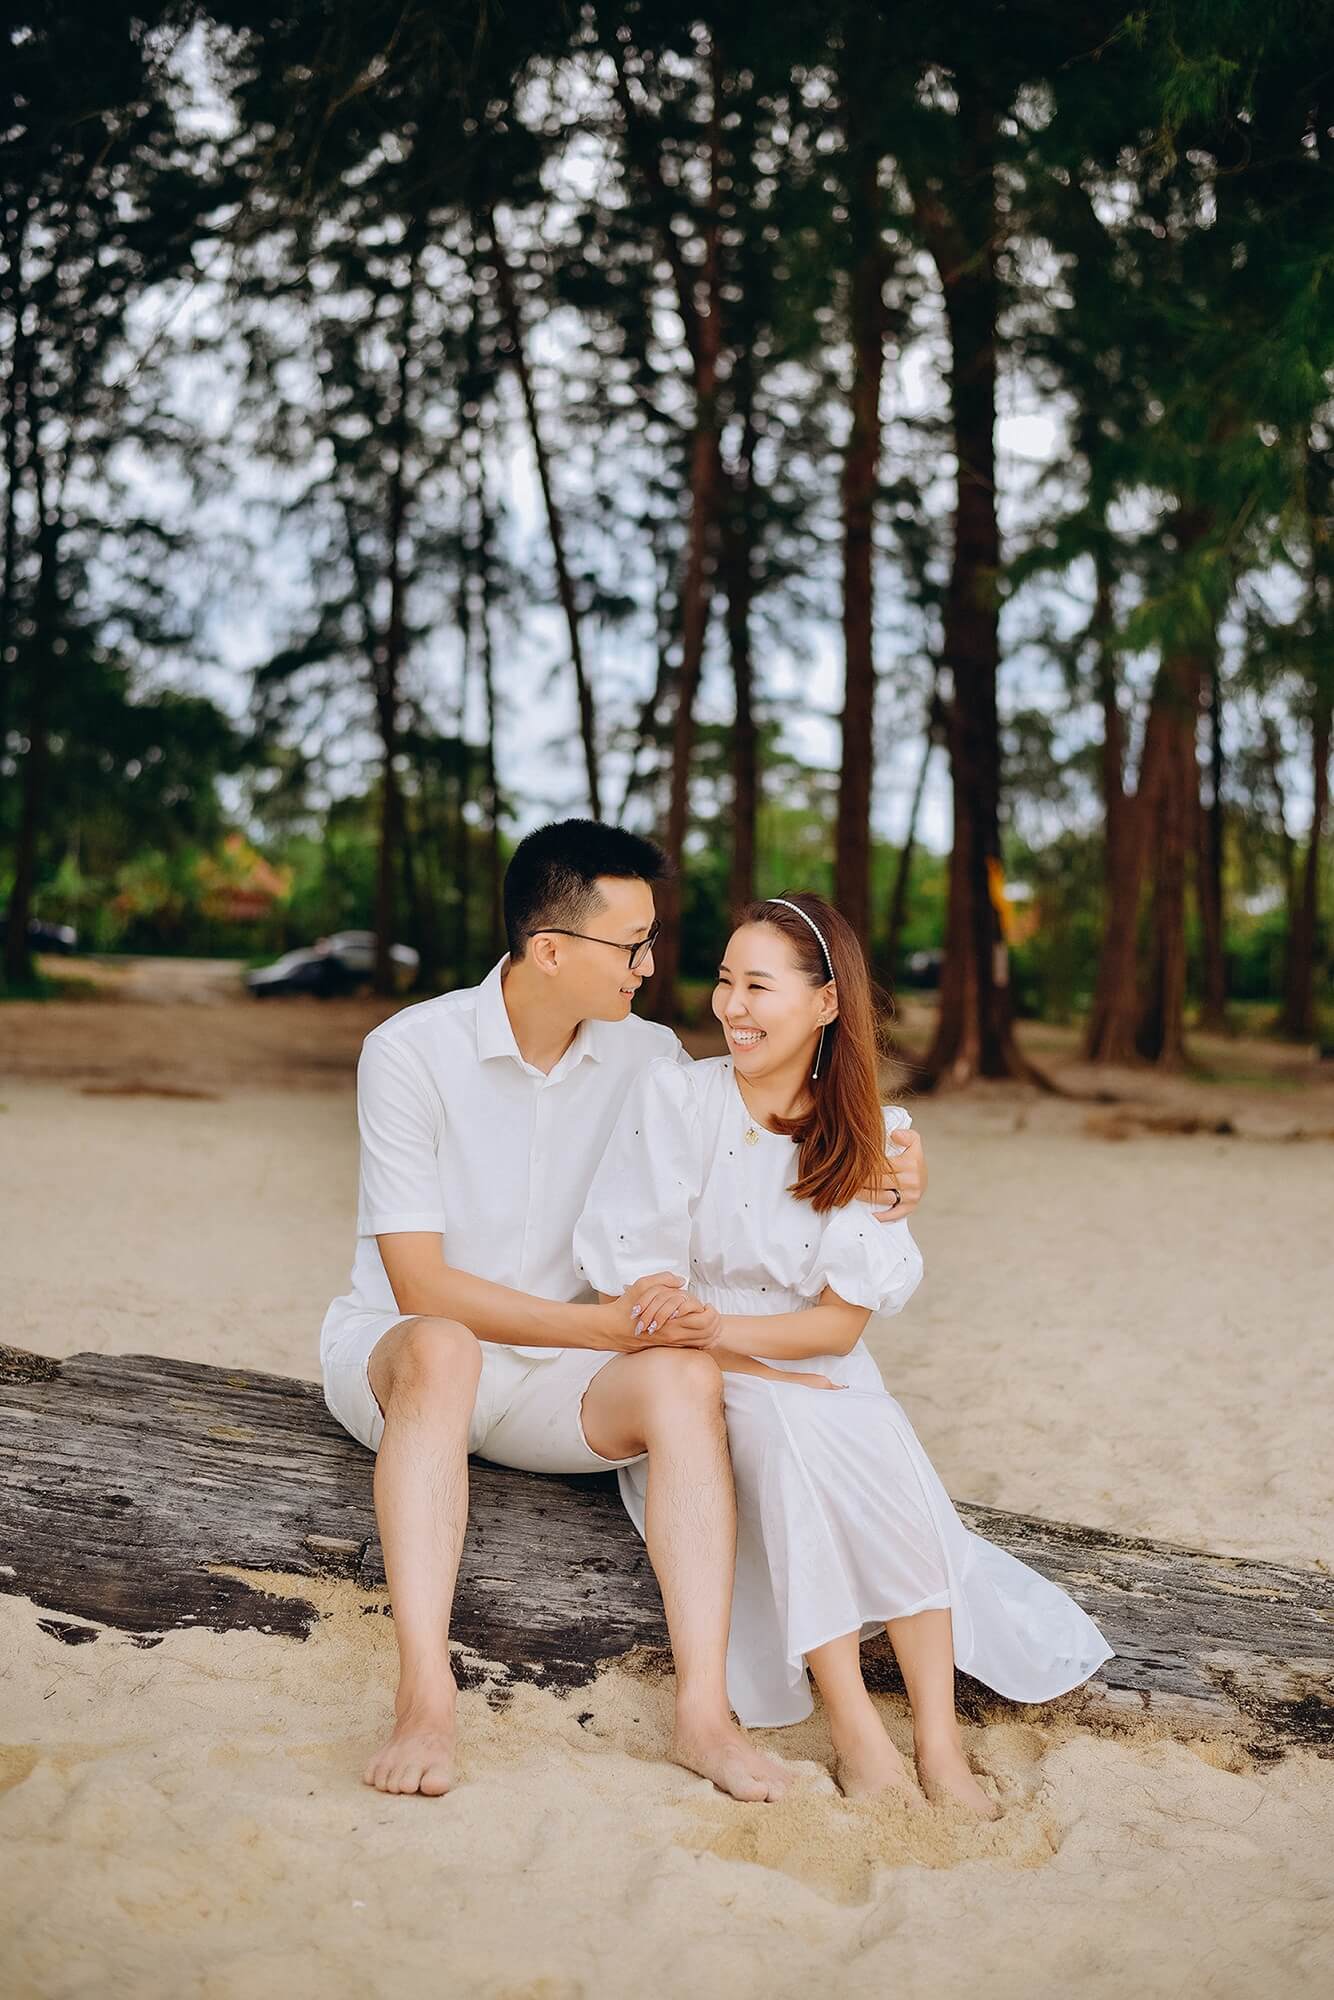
column 841, row 1140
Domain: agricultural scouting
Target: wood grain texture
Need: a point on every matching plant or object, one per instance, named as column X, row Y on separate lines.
column 130, row 1485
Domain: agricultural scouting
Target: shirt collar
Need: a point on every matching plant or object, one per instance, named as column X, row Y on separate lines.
column 495, row 1031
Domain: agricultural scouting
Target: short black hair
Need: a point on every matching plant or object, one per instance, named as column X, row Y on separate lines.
column 553, row 873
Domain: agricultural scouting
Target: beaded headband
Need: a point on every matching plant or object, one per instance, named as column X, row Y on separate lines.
column 827, row 959
column 814, row 926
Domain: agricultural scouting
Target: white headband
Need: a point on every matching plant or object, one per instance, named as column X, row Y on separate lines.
column 814, row 926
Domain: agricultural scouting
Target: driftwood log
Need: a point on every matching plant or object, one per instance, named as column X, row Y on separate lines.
column 131, row 1486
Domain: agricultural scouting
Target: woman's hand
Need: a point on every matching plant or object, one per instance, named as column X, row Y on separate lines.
column 657, row 1311
column 903, row 1182
column 675, row 1318
column 733, row 1363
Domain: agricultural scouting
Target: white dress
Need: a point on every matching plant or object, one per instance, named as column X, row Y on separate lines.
column 842, row 1523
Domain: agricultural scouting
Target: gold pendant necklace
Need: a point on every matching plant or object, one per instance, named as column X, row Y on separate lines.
column 752, row 1136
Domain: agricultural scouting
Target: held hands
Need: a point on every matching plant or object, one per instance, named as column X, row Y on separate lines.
column 658, row 1311
column 905, row 1175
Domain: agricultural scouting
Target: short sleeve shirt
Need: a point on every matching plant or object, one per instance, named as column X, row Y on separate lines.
column 461, row 1135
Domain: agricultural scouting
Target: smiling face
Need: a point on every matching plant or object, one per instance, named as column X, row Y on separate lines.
column 595, row 980
column 770, row 1011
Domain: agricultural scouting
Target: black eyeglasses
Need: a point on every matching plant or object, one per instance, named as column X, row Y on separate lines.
column 638, row 952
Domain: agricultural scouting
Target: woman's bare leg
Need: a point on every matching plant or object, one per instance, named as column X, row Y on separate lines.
column 924, row 1648
column 865, row 1761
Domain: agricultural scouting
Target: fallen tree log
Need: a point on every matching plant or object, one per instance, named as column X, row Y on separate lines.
column 131, row 1486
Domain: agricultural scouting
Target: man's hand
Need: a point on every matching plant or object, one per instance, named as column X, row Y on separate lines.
column 657, row 1311
column 904, row 1176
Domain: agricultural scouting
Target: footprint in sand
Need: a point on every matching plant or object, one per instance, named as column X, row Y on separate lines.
column 17, row 1762
column 836, row 1846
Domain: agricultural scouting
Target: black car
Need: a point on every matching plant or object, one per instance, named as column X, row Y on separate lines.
column 333, row 965
column 47, row 937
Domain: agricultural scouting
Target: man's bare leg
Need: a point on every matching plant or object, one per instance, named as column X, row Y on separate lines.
column 424, row 1375
column 669, row 1403
column 924, row 1648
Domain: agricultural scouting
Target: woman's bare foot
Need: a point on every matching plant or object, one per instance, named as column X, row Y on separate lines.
column 714, row 1748
column 419, row 1756
column 945, row 1773
column 866, row 1763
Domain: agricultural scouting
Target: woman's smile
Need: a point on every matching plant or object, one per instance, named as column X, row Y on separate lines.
column 745, row 1038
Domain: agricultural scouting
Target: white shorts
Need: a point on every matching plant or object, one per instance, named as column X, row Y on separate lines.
column 527, row 1413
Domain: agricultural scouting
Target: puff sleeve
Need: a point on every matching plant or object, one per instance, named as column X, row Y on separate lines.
column 638, row 1214
column 870, row 1263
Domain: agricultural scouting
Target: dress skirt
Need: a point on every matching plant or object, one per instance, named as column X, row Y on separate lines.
column 843, row 1523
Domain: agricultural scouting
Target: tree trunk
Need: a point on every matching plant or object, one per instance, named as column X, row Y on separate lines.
column 17, row 387
column 1299, row 1009
column 861, row 462
column 975, row 1033
column 1112, row 750
column 1120, row 1025
column 738, row 577
column 416, row 893
column 1161, row 1032
column 42, row 664
column 898, row 902
column 704, row 329
column 386, row 667
column 509, row 305
column 495, row 872
column 1209, row 862
column 143, row 1495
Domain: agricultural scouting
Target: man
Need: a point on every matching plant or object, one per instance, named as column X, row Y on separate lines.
column 483, row 1115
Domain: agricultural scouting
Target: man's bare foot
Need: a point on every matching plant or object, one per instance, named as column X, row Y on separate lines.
column 944, row 1772
column 717, row 1750
column 867, row 1765
column 419, row 1756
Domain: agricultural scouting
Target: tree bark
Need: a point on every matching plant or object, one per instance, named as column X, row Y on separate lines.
column 495, row 871
column 975, row 1029
column 861, row 464
column 738, row 578
column 1161, row 1030
column 1209, row 861
column 513, row 320
column 387, row 660
column 147, row 1495
column 17, row 388
column 699, row 301
column 42, row 657
column 1299, row 1009
column 1123, row 1022
column 898, row 901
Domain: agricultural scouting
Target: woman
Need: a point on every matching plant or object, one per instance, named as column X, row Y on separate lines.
column 741, row 1177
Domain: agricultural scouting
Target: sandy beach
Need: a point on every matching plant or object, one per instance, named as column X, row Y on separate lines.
column 1125, row 1322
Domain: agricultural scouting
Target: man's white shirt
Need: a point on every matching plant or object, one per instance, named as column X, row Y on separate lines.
column 461, row 1135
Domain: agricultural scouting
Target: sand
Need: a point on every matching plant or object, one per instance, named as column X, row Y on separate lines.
column 1129, row 1328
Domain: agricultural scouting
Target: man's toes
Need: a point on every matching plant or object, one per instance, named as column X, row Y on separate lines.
column 437, row 1779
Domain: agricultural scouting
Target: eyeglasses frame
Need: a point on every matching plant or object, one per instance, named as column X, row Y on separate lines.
column 637, row 952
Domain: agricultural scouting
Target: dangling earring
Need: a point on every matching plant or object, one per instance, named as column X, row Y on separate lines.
column 819, row 1053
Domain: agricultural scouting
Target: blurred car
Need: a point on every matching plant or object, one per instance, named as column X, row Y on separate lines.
column 922, row 969
column 332, row 965
column 47, row 937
